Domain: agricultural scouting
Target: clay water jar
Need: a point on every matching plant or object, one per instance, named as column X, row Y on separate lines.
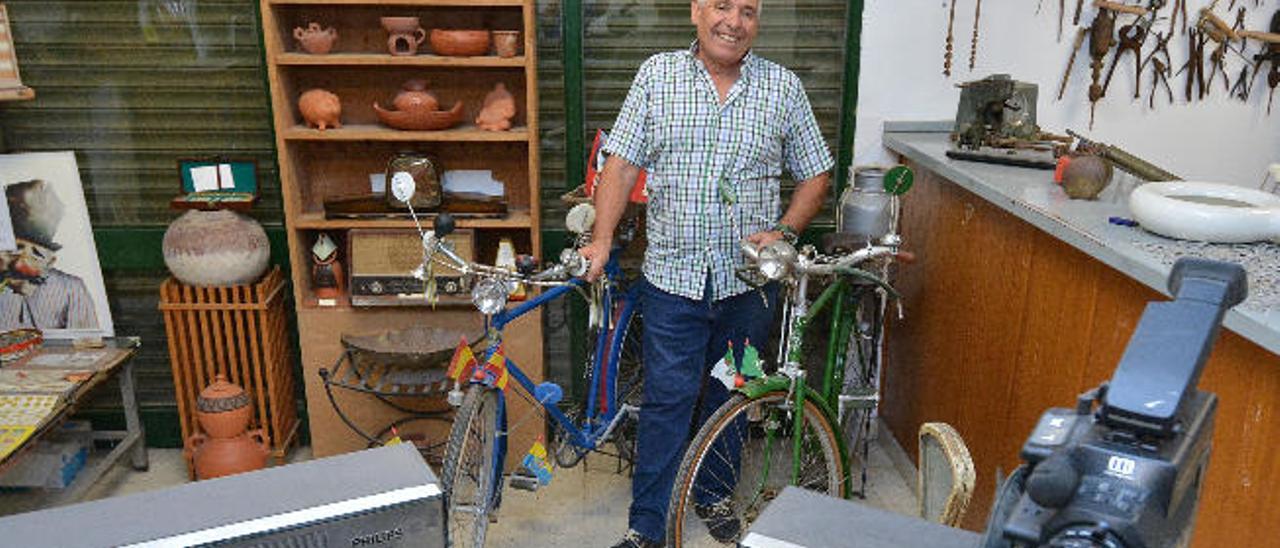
column 315, row 40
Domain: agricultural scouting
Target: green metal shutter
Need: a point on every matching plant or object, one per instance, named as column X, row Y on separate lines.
column 132, row 86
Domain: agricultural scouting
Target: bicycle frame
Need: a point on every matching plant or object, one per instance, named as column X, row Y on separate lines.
column 601, row 414
column 799, row 315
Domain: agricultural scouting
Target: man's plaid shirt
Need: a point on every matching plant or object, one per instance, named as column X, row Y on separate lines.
column 713, row 169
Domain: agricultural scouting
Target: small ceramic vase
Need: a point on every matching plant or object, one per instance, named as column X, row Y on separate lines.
column 315, row 40
column 326, row 271
column 321, row 109
column 506, row 43
column 406, row 35
column 499, row 107
column 414, row 96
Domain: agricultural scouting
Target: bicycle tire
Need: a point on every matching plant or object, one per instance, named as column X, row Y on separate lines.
column 469, row 475
column 685, row 527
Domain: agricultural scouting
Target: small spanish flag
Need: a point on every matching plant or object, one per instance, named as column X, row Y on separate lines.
column 463, row 359
column 497, row 367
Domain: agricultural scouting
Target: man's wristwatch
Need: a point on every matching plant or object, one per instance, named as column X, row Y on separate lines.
column 788, row 233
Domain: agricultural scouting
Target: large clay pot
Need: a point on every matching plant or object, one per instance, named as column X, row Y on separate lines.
column 223, row 409
column 217, row 457
column 315, row 40
column 216, row 248
column 459, row 43
column 321, row 109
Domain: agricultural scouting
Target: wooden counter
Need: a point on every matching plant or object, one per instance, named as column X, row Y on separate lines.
column 1004, row 319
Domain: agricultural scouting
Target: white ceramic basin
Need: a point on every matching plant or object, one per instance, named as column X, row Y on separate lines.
column 1207, row 212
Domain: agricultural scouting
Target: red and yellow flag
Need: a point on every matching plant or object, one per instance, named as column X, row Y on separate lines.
column 463, row 359
column 497, row 366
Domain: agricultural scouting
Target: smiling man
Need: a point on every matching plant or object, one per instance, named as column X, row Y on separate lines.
column 714, row 126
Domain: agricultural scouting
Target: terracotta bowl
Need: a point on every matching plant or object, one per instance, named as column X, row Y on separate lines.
column 459, row 43
column 420, row 120
column 399, row 24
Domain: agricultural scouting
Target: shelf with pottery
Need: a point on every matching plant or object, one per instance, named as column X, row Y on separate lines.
column 383, row 89
column 382, row 59
column 372, row 132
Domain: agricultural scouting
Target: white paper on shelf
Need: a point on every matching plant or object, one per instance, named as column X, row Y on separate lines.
column 7, row 243
column 472, row 181
column 378, row 182
column 204, row 178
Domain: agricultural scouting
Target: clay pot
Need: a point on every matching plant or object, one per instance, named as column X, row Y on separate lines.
column 216, row 248
column 217, row 457
column 414, row 96
column 321, row 109
column 506, row 43
column 459, row 43
column 223, row 409
column 1086, row 176
column 314, row 40
column 499, row 107
column 406, row 35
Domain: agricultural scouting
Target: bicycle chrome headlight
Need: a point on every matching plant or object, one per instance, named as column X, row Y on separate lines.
column 489, row 296
column 574, row 264
column 776, row 259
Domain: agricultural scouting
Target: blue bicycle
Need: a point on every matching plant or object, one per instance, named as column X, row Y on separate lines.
column 472, row 474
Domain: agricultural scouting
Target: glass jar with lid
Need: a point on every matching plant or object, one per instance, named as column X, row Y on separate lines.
column 865, row 212
column 424, row 170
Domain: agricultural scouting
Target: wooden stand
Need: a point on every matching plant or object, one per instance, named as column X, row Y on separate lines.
column 238, row 331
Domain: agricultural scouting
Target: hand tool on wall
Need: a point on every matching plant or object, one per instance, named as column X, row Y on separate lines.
column 1194, row 66
column 1075, row 20
column 1075, row 48
column 1101, row 34
column 973, row 46
column 1131, row 38
column 1240, row 89
column 946, row 57
column 1179, row 7
column 1162, row 64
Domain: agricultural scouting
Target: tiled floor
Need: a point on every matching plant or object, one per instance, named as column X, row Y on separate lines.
column 584, row 506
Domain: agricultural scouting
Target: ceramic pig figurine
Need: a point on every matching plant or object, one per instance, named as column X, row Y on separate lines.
column 321, row 109
column 499, row 108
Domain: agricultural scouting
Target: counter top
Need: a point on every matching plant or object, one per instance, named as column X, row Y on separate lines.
column 1031, row 195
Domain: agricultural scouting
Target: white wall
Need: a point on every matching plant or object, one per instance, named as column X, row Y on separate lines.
column 1217, row 139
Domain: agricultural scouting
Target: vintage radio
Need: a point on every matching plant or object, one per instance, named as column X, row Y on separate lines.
column 383, row 261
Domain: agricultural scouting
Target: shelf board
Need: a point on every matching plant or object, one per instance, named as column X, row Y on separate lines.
column 516, row 218
column 17, row 94
column 370, row 132
column 382, row 59
column 446, row 3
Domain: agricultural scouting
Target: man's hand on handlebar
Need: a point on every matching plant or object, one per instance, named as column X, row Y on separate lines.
column 597, row 252
column 761, row 239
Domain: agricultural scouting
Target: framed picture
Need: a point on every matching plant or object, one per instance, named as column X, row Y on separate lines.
column 50, row 278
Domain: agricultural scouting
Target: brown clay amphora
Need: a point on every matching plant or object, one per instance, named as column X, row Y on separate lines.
column 315, row 40
column 223, row 411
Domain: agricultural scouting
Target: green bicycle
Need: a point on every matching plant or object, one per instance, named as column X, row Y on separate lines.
column 785, row 429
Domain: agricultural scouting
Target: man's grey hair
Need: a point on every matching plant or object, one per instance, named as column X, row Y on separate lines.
column 703, row 4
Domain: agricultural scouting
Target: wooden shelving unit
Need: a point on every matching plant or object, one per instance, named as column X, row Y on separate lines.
column 317, row 166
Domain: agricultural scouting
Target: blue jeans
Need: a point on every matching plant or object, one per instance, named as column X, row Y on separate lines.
column 683, row 338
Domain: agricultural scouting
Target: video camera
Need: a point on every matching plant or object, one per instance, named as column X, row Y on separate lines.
column 1127, row 472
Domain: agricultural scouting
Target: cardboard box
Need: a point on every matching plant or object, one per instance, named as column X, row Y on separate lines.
column 56, row 459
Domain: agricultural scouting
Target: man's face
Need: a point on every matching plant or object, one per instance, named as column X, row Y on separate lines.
column 26, row 267
column 726, row 28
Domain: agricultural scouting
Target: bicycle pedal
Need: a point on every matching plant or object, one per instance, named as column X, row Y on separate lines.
column 524, row 482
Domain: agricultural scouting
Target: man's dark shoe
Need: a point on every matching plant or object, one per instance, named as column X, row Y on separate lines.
column 634, row 540
column 720, row 520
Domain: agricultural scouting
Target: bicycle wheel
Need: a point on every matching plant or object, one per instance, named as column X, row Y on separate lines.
column 862, row 364
column 470, row 473
column 741, row 459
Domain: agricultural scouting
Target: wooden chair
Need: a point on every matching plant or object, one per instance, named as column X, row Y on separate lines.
column 945, row 475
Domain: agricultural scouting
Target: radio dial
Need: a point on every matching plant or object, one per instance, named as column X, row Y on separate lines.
column 375, row 287
column 451, row 287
